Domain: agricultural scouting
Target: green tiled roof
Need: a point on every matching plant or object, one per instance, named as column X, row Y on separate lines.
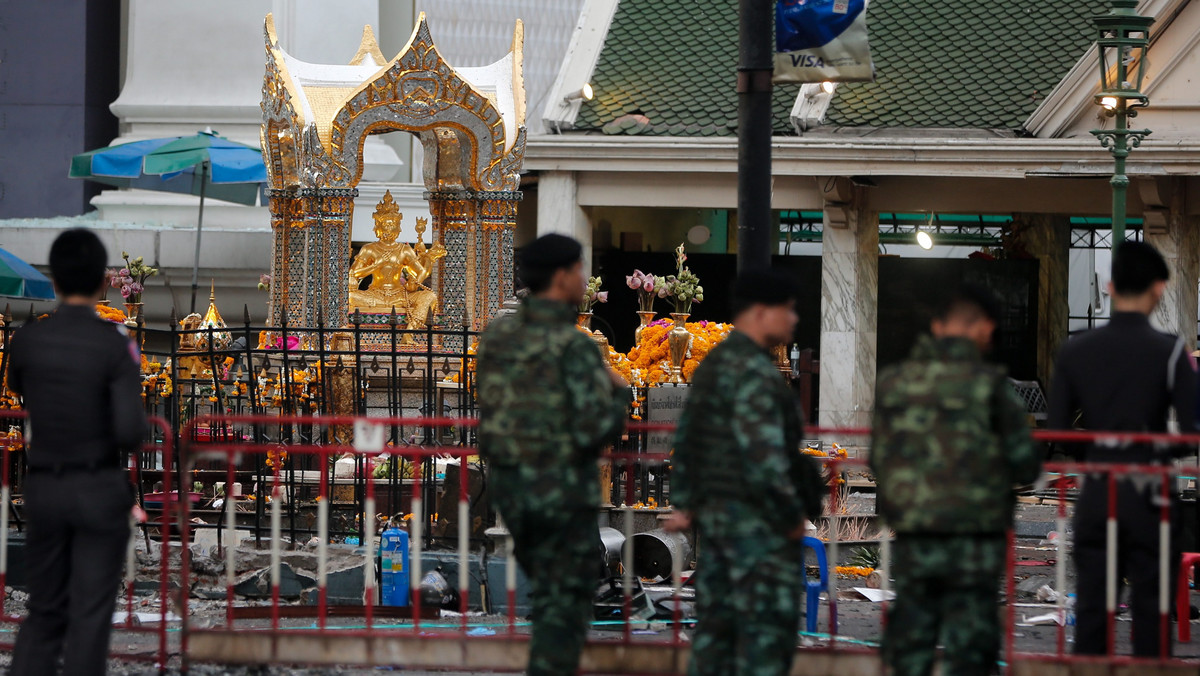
column 985, row 64
column 676, row 62
column 939, row 63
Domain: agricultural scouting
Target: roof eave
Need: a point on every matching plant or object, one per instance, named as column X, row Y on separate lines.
column 834, row 155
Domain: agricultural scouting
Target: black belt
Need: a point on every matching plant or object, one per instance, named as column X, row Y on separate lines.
column 60, row 468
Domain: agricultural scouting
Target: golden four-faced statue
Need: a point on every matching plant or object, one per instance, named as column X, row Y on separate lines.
column 397, row 270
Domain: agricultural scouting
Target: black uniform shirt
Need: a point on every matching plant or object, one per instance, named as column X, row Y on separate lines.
column 81, row 383
column 1124, row 376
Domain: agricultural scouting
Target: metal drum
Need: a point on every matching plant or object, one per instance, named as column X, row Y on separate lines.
column 653, row 551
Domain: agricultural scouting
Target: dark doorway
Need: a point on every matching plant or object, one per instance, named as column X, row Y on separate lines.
column 909, row 289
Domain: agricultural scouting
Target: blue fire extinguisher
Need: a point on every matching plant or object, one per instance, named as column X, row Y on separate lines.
column 393, row 549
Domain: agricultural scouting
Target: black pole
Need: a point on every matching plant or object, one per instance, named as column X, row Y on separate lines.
column 755, row 67
column 199, row 226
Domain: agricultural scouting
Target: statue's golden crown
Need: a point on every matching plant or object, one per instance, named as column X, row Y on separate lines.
column 387, row 206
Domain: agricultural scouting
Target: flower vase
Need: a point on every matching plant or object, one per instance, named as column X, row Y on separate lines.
column 132, row 312
column 646, row 316
column 678, row 339
column 584, row 321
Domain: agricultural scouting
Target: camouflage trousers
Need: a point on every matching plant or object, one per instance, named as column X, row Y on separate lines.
column 747, row 605
column 945, row 592
column 559, row 550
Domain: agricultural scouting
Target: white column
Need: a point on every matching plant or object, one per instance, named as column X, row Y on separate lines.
column 559, row 211
column 1180, row 245
column 849, row 313
column 195, row 65
column 1177, row 236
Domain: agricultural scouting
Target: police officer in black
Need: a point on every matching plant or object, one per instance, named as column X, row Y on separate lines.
column 79, row 380
column 1124, row 376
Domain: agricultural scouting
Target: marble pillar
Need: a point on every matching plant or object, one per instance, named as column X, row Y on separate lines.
column 1180, row 245
column 1048, row 239
column 849, row 314
column 559, row 211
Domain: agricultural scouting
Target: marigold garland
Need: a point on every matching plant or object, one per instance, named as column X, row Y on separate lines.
column 650, row 358
column 276, row 457
column 456, row 377
column 111, row 314
column 9, row 401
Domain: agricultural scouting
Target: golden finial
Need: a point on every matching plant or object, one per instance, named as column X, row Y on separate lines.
column 212, row 291
column 387, row 206
column 422, row 223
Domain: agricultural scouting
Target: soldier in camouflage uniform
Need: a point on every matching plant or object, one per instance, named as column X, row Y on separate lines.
column 950, row 442
column 739, row 476
column 547, row 406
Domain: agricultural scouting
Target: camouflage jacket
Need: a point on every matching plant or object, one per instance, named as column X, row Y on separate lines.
column 950, row 441
column 737, row 453
column 547, row 406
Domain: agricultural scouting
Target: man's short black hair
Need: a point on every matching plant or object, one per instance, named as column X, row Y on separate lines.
column 1136, row 266
column 770, row 287
column 77, row 260
column 540, row 259
column 969, row 302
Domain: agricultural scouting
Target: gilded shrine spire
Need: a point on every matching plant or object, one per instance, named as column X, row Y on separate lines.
column 471, row 122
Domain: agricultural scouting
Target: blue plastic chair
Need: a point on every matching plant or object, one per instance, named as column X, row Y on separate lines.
column 813, row 588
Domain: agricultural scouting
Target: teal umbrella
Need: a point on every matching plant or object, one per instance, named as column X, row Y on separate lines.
column 21, row 280
column 205, row 164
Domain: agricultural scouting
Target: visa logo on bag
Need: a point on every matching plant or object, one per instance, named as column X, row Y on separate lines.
column 822, row 40
column 802, row 60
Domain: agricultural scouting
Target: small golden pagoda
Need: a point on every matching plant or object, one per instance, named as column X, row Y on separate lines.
column 197, row 325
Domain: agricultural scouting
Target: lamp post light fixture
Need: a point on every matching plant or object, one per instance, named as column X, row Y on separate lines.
column 1122, row 37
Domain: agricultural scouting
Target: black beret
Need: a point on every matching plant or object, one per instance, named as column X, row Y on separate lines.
column 550, row 252
column 768, row 286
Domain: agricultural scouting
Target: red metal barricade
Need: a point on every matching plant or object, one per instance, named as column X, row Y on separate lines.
column 475, row 643
column 317, row 630
column 497, row 644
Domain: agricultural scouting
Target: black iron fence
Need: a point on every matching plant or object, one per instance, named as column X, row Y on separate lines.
column 259, row 384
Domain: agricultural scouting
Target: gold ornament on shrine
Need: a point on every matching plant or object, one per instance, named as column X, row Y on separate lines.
column 471, row 124
column 397, row 271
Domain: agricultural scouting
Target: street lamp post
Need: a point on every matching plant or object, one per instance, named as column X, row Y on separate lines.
column 1122, row 38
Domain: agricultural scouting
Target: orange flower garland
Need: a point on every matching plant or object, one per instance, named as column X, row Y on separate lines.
column 276, row 457
column 110, row 314
column 156, row 381
column 853, row 571
column 456, row 377
column 9, row 400
column 650, row 357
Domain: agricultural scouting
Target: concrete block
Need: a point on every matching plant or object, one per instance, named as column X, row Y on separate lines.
column 497, row 570
column 291, row 583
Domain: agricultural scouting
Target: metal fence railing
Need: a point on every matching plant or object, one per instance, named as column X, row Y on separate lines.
column 297, row 575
